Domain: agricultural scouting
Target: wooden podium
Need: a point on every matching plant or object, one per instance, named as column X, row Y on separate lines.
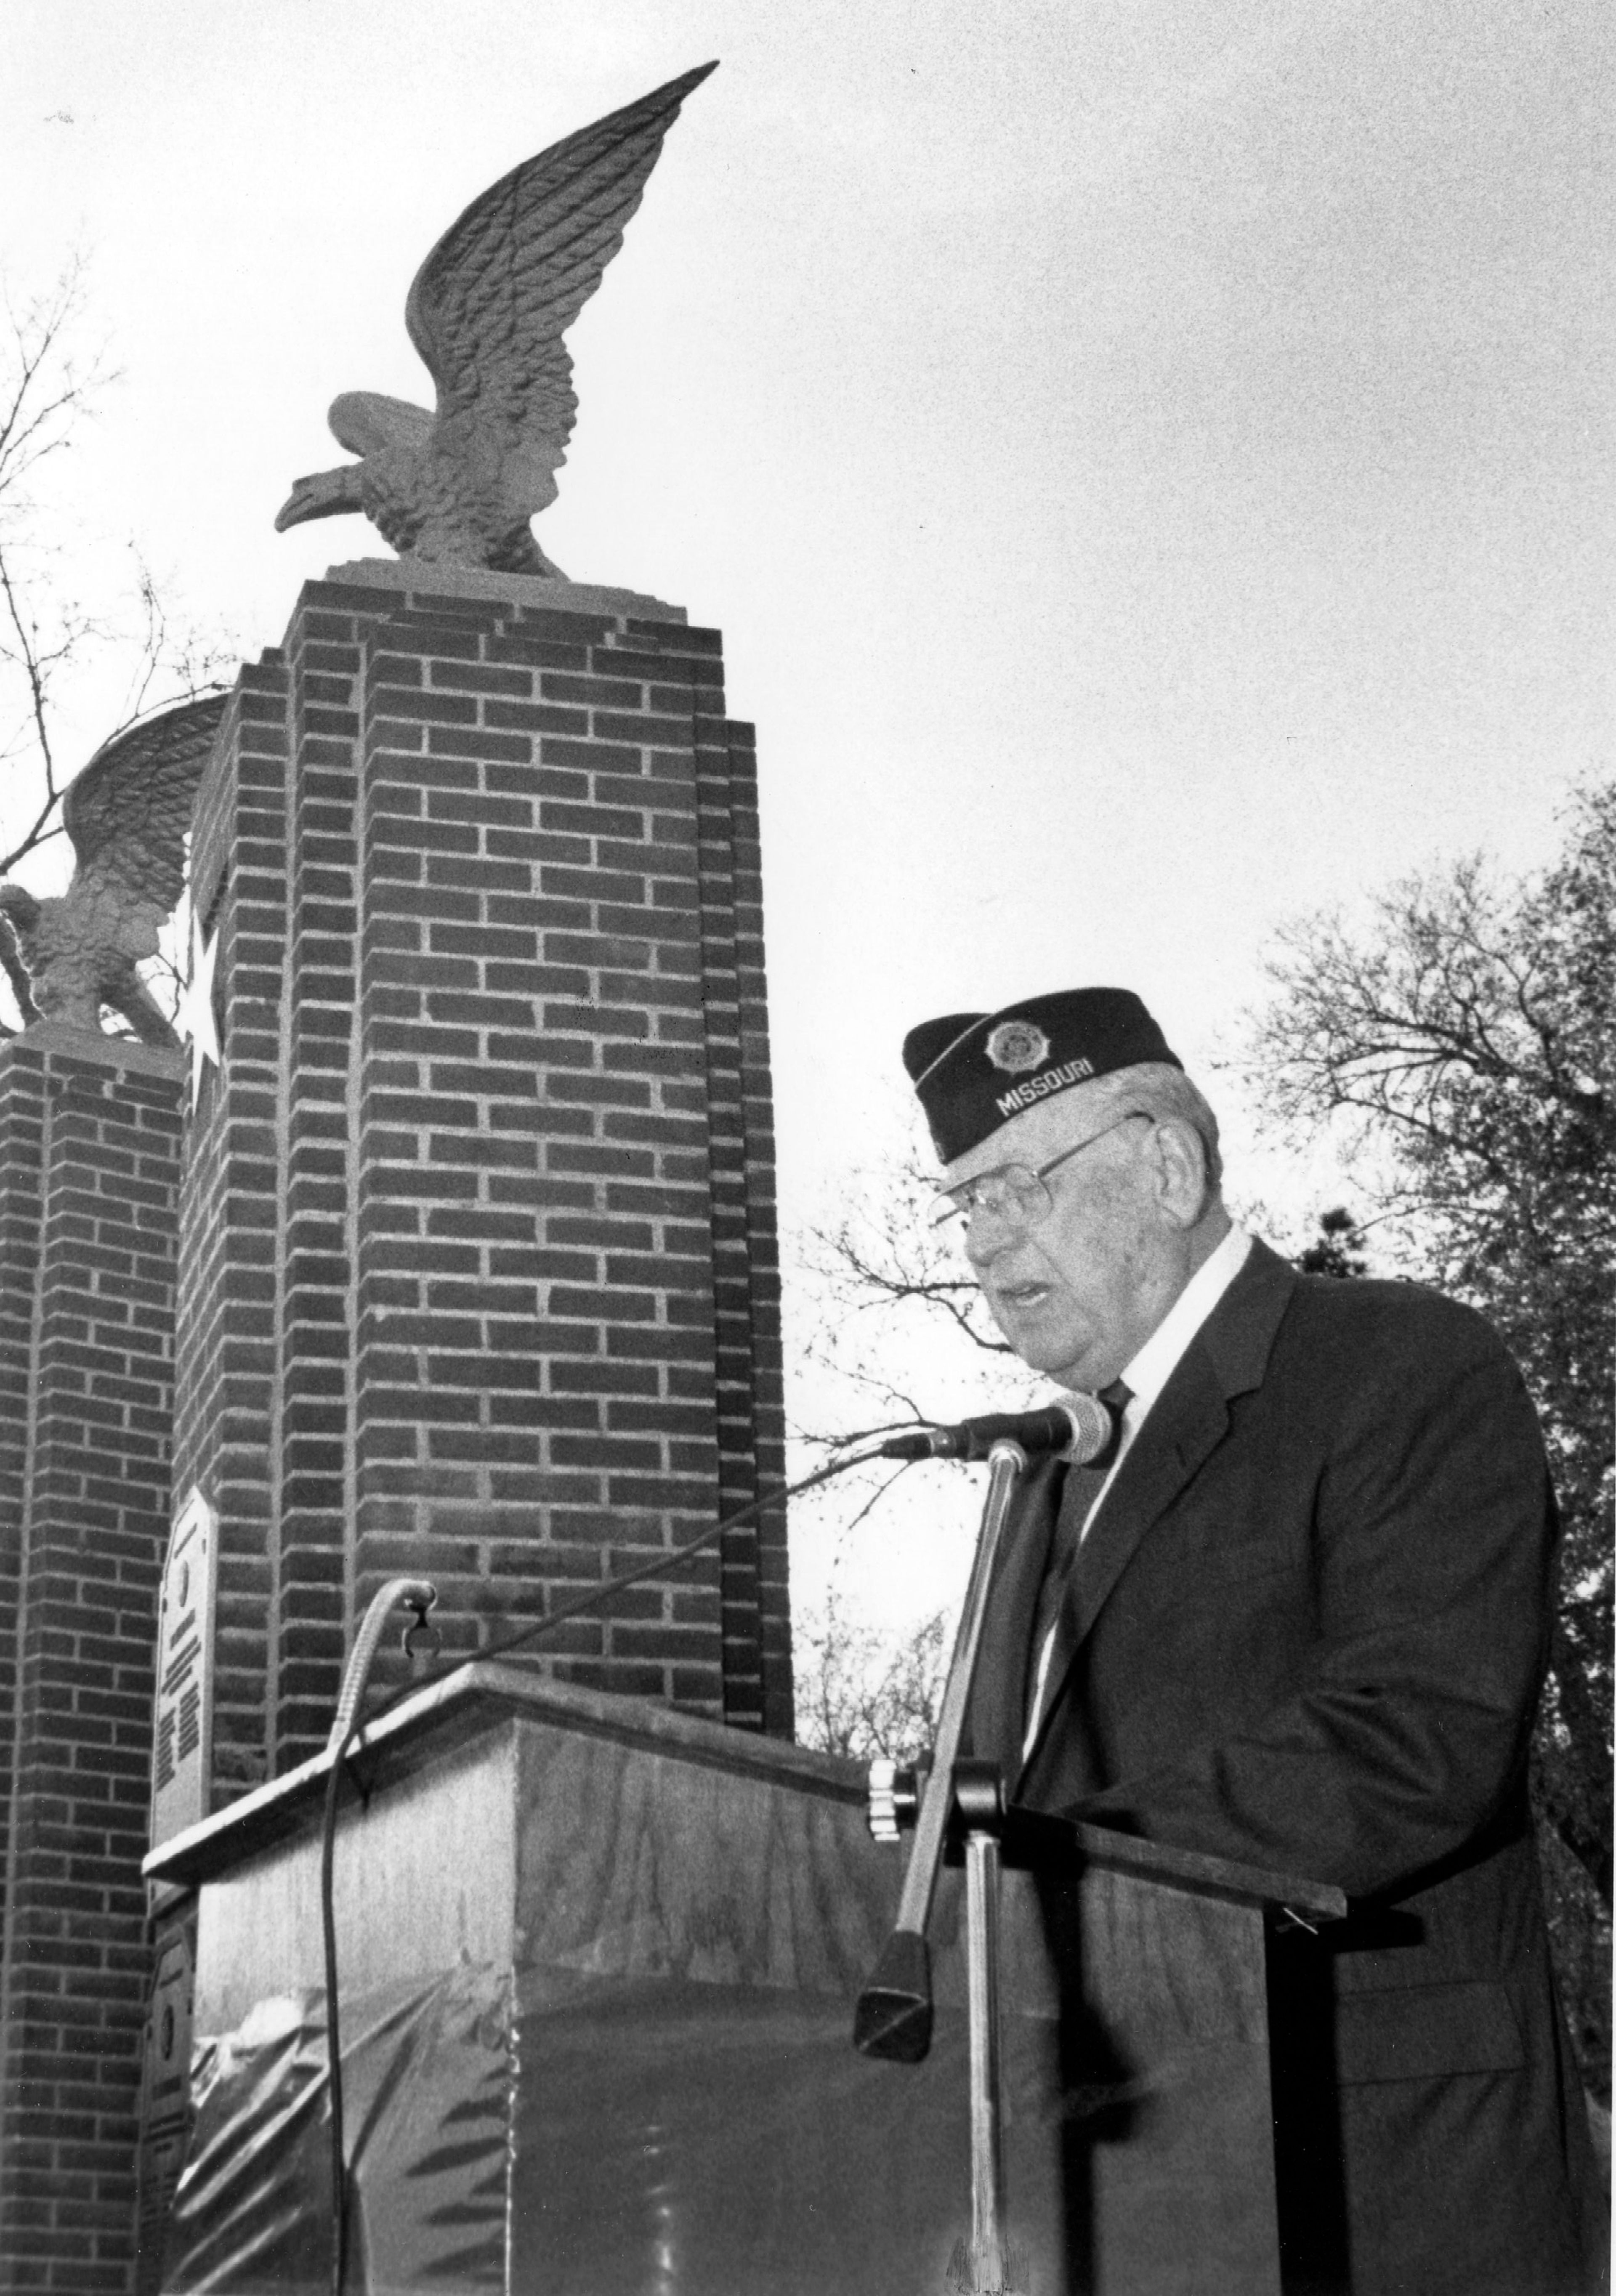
column 598, row 1965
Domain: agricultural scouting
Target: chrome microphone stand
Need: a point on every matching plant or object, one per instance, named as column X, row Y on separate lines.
column 893, row 2016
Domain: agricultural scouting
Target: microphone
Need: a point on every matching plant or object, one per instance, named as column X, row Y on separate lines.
column 1080, row 1427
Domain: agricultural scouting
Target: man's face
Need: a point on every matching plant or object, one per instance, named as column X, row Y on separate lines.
column 1077, row 1295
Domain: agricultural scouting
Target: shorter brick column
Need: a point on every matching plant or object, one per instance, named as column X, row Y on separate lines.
column 89, row 1167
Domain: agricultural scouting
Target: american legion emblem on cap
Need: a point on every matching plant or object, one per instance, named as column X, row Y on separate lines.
column 973, row 1071
column 1017, row 1046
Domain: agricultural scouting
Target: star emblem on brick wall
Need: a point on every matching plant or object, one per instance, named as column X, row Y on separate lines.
column 194, row 1019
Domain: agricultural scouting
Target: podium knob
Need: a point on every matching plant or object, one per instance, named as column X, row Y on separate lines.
column 894, row 1800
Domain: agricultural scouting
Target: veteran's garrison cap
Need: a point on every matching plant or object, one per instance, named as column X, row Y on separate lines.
column 973, row 1071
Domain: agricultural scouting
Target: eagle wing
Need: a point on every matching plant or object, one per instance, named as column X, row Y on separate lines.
column 20, row 913
column 490, row 304
column 130, row 810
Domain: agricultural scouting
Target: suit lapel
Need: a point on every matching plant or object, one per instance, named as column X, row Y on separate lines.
column 1188, row 1420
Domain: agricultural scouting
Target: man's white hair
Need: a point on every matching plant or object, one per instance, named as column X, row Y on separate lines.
column 1160, row 1090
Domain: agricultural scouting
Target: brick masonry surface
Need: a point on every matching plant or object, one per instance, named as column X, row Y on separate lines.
column 89, row 1169
column 477, row 1271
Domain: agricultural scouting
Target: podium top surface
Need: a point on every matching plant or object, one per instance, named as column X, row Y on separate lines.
column 477, row 1697
column 483, row 1695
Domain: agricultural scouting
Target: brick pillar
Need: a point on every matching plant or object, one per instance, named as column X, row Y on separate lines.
column 228, row 1403
column 89, row 1155
column 740, row 1129
column 478, row 1271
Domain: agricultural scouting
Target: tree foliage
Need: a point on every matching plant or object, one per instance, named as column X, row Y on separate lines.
column 1338, row 1249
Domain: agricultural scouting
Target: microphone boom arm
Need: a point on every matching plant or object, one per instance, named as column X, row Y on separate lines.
column 893, row 2016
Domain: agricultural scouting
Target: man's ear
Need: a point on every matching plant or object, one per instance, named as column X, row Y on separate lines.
column 1181, row 1176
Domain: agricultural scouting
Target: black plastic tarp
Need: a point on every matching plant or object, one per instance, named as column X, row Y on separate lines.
column 429, row 2086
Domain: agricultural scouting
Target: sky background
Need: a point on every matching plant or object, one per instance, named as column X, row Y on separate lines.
column 1150, row 459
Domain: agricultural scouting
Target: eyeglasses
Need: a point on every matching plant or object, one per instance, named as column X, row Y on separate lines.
column 1015, row 1194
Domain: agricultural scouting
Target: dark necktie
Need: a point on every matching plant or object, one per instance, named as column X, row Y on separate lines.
column 1082, row 1488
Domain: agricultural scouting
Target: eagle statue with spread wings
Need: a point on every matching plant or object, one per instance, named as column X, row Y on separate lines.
column 487, row 312
column 127, row 815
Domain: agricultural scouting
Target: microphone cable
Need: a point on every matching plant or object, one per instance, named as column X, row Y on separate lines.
column 592, row 1600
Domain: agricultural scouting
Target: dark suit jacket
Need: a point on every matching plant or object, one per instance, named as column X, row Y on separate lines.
column 1312, row 1619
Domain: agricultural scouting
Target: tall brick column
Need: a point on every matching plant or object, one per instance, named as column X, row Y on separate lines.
column 478, row 1262
column 89, row 1167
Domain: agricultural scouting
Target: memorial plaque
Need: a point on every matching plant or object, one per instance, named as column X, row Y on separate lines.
column 182, row 1737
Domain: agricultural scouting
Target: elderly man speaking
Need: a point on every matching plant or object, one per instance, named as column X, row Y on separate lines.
column 1298, row 1618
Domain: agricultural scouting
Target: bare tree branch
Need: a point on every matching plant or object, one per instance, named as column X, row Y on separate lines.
column 862, row 1694
column 49, row 387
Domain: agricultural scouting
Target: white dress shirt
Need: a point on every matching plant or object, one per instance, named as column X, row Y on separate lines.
column 1146, row 1376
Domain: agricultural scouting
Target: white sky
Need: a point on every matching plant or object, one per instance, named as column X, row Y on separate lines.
column 1150, row 459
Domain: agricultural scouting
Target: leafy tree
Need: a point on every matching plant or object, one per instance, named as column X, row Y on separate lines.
column 1461, row 1043
column 1338, row 1249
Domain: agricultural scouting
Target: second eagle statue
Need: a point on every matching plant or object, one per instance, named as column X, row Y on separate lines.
column 488, row 312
